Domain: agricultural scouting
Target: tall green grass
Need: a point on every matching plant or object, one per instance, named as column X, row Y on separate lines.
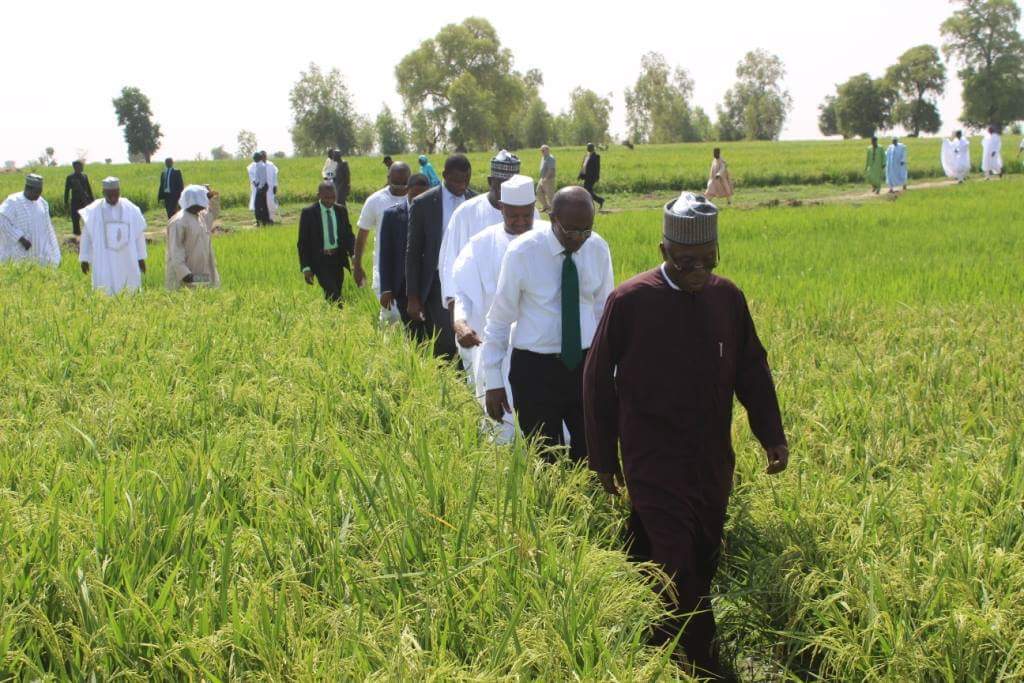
column 247, row 483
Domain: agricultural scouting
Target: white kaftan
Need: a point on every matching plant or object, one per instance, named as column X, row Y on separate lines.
column 21, row 217
column 113, row 243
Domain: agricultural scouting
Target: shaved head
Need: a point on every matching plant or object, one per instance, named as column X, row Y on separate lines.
column 572, row 199
column 398, row 167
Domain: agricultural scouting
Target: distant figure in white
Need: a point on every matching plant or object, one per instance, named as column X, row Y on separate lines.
column 113, row 243
column 956, row 157
column 272, row 173
column 190, row 260
column 26, row 232
column 992, row 153
column 896, row 166
column 719, row 181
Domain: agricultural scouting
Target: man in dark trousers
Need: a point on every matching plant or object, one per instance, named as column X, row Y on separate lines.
column 171, row 185
column 393, row 236
column 342, row 179
column 325, row 242
column 77, row 194
column 590, row 173
column 428, row 219
column 673, row 347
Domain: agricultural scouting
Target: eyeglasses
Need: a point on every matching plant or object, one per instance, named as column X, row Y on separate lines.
column 691, row 265
column 582, row 234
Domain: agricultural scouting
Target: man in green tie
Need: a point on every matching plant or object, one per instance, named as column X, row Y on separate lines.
column 553, row 285
column 326, row 242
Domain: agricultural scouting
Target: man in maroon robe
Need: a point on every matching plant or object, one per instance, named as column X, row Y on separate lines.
column 673, row 346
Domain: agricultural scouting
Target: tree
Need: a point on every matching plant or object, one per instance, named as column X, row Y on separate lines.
column 140, row 132
column 460, row 87
column 46, row 158
column 756, row 107
column 391, row 135
column 538, row 124
column 218, row 153
column 658, row 105
column 322, row 113
column 917, row 74
column 587, row 120
column 827, row 123
column 984, row 38
column 863, row 106
column 247, row 144
column 366, row 136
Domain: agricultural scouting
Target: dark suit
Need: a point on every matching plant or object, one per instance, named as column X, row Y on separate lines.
column 590, row 174
column 393, row 242
column 342, row 181
column 425, row 233
column 170, row 199
column 329, row 268
column 77, row 195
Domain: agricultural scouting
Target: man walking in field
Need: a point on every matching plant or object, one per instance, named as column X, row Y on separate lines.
column 113, row 243
column 258, row 190
column 956, row 157
column 673, row 346
column 171, row 186
column 77, row 194
column 26, row 231
column 874, row 167
column 272, row 173
column 336, row 171
column 550, row 295
column 393, row 240
column 590, row 173
column 992, row 154
column 546, row 184
column 370, row 219
column 719, row 182
column 896, row 166
column 325, row 242
column 189, row 257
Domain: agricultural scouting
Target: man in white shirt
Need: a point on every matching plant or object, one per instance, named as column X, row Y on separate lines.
column 26, row 231
column 272, row 174
column 553, row 285
column 369, row 220
column 113, row 243
column 475, row 279
column 258, row 189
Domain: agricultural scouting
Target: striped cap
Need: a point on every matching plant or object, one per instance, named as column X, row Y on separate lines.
column 691, row 219
column 34, row 180
column 504, row 165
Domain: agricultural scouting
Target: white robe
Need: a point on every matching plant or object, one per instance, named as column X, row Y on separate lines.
column 21, row 217
column 992, row 154
column 113, row 250
column 956, row 158
column 272, row 205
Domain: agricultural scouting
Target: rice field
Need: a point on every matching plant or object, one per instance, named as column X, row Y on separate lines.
column 249, row 484
column 645, row 169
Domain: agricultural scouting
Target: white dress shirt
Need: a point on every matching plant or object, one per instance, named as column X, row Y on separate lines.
column 529, row 294
column 370, row 219
column 449, row 203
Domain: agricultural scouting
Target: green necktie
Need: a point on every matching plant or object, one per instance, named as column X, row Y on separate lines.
column 330, row 229
column 572, row 347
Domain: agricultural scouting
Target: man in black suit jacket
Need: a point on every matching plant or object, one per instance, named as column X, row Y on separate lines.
column 171, row 186
column 325, row 242
column 591, row 173
column 393, row 236
column 77, row 194
column 428, row 218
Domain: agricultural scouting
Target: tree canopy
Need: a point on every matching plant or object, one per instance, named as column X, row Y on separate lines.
column 322, row 113
column 917, row 78
column 863, row 106
column 140, row 131
column 756, row 107
column 658, row 108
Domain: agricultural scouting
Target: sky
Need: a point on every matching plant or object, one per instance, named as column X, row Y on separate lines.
column 211, row 69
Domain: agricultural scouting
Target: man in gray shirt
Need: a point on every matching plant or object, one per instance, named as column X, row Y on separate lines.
column 546, row 185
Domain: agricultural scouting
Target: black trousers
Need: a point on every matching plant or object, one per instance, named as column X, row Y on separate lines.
column 260, row 207
column 415, row 328
column 546, row 394
column 330, row 273
column 690, row 556
column 589, row 187
column 171, row 205
column 76, row 220
column 439, row 322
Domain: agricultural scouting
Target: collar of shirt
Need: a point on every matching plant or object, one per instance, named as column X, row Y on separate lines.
column 668, row 280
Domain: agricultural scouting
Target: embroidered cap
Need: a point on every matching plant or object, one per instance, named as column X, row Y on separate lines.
column 690, row 219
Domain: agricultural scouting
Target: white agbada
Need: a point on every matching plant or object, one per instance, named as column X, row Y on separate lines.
column 475, row 280
column 992, row 154
column 272, row 204
column 21, row 217
column 254, row 172
column 113, row 243
column 956, row 158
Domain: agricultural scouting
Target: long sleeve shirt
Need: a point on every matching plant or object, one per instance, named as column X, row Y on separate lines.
column 190, row 248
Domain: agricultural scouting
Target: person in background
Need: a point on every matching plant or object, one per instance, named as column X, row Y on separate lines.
column 427, row 169
column 673, row 346
column 272, row 175
column 113, row 246
column 874, row 167
column 719, row 181
column 77, row 194
column 258, row 190
column 325, row 242
column 393, row 236
column 336, row 171
column 387, row 161
column 896, row 166
column 956, row 157
column 546, row 184
column 992, row 153
column 26, row 231
column 370, row 219
column 590, row 173
column 189, row 252
column 171, row 186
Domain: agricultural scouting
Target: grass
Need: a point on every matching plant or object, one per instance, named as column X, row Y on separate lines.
column 648, row 168
column 246, row 483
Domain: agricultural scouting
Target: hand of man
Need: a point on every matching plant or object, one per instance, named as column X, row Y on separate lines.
column 778, row 458
column 85, row 267
column 610, row 481
column 465, row 335
column 25, row 244
column 188, row 279
column 415, row 308
column 142, row 266
column 360, row 275
column 308, row 275
column 386, row 299
column 497, row 404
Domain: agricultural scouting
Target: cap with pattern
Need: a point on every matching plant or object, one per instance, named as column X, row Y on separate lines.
column 690, row 219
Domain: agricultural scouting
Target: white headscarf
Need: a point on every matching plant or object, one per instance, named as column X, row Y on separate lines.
column 194, row 195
